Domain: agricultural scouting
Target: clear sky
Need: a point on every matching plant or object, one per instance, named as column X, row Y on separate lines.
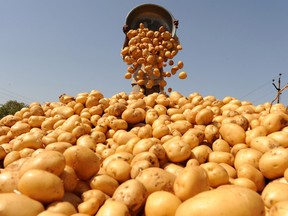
column 230, row 48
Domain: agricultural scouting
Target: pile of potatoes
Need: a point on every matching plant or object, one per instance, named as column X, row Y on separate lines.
column 133, row 154
column 154, row 50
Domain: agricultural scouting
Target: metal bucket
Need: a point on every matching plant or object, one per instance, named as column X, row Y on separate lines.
column 152, row 16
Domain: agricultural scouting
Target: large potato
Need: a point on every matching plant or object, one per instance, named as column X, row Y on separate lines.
column 274, row 192
column 83, row 160
column 225, row 200
column 161, row 203
column 273, row 163
column 132, row 193
column 156, row 179
column 232, row 133
column 191, row 181
column 34, row 182
column 10, row 203
column 8, row 181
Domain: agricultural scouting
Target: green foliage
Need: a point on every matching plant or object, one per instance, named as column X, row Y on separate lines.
column 10, row 107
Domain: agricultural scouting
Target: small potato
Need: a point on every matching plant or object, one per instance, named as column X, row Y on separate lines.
column 58, row 146
column 138, row 167
column 90, row 206
column 161, row 203
column 177, row 151
column 274, row 192
column 173, row 168
column 204, row 117
column 143, row 145
column 132, row 193
column 32, row 184
column 10, row 202
column 149, row 156
column 255, row 132
column 104, row 183
column 245, row 182
column 211, row 133
column 113, row 208
column 221, row 157
column 118, row 169
column 191, row 181
column 83, row 160
column 232, row 133
column 217, row 175
column 94, row 193
column 236, row 148
column 156, row 179
column 220, row 145
column 230, row 170
column 133, row 115
column 126, row 156
column 273, row 163
column 201, row 153
column 61, row 207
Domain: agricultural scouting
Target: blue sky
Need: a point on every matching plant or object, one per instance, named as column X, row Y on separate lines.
column 230, row 48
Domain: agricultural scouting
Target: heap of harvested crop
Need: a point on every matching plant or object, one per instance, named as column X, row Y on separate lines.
column 133, row 154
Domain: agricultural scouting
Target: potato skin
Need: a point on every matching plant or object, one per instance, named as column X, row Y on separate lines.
column 34, row 182
column 225, row 200
column 83, row 160
column 132, row 193
column 10, row 202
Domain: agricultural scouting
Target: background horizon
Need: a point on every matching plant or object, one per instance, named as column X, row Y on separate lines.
column 230, row 48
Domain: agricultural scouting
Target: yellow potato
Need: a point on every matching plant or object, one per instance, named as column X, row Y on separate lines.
column 273, row 163
column 232, row 133
column 34, row 181
column 132, row 193
column 8, row 181
column 156, row 179
column 118, row 169
column 245, row 182
column 280, row 137
column 191, row 181
column 10, row 202
column 161, row 203
column 113, row 208
column 279, row 209
column 225, row 200
column 69, row 179
column 177, row 151
column 65, row 208
column 247, row 155
column 217, row 174
column 274, row 192
column 201, row 153
column 83, row 160
column 221, row 157
column 104, row 183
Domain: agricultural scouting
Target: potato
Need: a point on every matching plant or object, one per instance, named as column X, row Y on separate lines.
column 173, row 168
column 232, row 133
column 138, row 167
column 113, row 208
column 69, row 179
column 83, row 160
column 156, row 179
column 104, row 183
column 190, row 181
column 118, row 169
column 225, row 200
column 133, row 115
column 204, row 117
column 8, row 181
column 58, row 146
column 230, row 170
column 51, row 161
column 217, row 175
column 11, row 157
column 280, row 137
column 161, row 203
column 149, row 156
column 90, row 206
column 263, row 143
column 32, row 184
column 221, row 157
column 252, row 173
column 10, row 202
column 132, row 193
column 255, row 132
column 247, row 155
column 201, row 153
column 245, row 182
column 177, row 151
column 274, row 192
column 279, row 209
column 273, row 163
column 274, row 122
column 211, row 133
column 65, row 208
column 220, row 145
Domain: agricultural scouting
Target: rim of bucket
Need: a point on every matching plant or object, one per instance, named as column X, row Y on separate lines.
column 153, row 16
